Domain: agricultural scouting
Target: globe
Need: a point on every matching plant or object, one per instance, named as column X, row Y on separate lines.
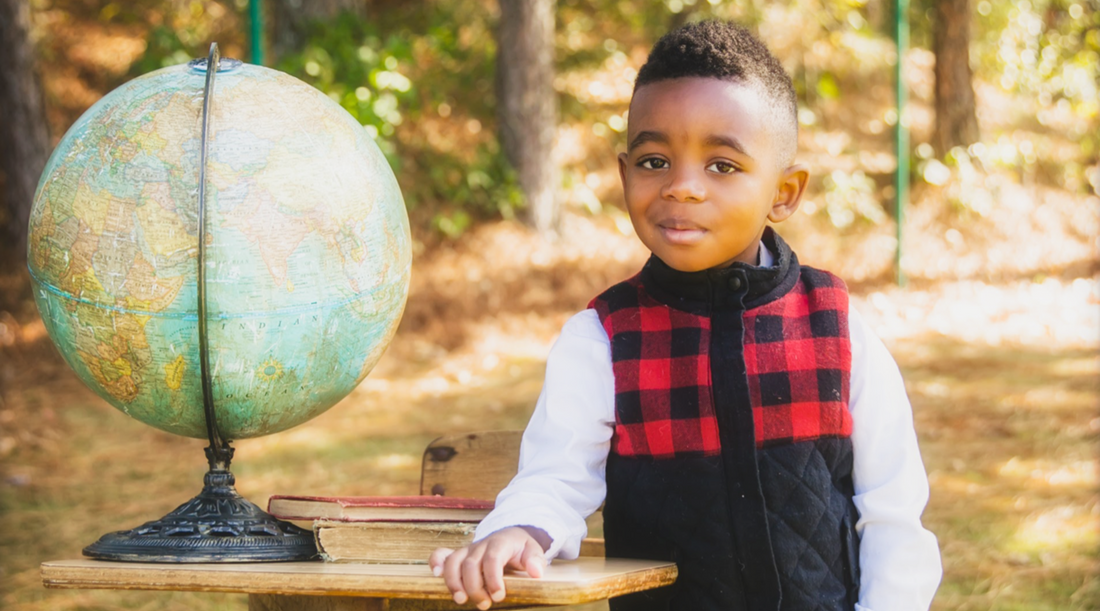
column 307, row 251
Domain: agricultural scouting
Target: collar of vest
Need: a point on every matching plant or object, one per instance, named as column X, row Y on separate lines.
column 735, row 287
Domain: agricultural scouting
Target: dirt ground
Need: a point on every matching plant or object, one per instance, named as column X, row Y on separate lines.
column 996, row 334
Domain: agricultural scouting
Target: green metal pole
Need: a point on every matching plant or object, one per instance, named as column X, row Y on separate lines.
column 256, row 31
column 901, row 131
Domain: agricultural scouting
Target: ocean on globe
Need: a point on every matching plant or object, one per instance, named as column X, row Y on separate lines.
column 307, row 256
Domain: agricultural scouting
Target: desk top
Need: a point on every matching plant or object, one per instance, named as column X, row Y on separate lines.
column 565, row 582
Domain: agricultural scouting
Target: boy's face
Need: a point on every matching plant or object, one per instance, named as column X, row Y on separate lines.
column 702, row 173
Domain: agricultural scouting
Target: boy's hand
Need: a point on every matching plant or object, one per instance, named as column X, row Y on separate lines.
column 475, row 573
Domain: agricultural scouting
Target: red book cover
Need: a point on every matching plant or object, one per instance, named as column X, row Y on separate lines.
column 379, row 508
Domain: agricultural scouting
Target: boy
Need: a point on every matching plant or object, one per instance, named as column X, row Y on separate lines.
column 738, row 418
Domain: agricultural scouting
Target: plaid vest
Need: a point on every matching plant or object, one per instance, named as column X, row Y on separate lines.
column 797, row 354
column 731, row 452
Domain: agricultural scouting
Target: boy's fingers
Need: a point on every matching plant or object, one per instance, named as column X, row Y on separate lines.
column 533, row 559
column 492, row 568
column 475, row 574
column 438, row 557
column 472, row 581
column 452, row 574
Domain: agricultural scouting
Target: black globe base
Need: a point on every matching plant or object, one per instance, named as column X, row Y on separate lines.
column 218, row 525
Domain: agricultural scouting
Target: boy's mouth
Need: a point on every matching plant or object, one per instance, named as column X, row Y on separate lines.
column 680, row 232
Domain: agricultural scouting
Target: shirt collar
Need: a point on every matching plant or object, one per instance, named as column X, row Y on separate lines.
column 704, row 290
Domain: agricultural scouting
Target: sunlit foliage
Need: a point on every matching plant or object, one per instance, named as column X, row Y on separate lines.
column 420, row 77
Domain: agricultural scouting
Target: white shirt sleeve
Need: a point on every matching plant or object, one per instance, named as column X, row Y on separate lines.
column 563, row 454
column 899, row 560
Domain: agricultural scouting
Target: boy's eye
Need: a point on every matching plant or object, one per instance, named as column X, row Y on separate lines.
column 722, row 167
column 653, row 163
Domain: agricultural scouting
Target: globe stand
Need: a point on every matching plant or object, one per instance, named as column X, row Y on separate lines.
column 218, row 525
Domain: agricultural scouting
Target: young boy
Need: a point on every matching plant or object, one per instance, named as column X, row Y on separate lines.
column 724, row 404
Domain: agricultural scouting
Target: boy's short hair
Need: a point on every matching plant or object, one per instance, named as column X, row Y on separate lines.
column 727, row 51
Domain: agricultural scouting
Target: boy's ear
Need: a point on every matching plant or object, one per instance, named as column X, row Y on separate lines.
column 622, row 169
column 788, row 193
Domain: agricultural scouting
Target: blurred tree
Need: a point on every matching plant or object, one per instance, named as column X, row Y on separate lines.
column 956, row 118
column 22, row 124
column 292, row 18
column 527, row 106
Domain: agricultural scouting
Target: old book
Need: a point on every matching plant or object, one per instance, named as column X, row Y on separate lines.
column 379, row 508
column 388, row 542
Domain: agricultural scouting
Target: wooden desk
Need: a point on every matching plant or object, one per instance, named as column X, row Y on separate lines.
column 320, row 586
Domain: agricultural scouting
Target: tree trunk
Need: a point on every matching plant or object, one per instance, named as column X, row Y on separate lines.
column 527, row 106
column 290, row 19
column 956, row 119
column 23, row 131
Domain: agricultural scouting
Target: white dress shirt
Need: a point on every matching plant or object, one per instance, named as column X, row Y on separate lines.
column 564, row 453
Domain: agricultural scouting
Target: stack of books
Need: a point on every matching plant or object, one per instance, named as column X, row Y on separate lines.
column 393, row 530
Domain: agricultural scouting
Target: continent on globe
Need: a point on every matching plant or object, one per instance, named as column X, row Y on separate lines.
column 308, row 250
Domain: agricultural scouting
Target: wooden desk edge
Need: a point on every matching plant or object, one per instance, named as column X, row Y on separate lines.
column 88, row 574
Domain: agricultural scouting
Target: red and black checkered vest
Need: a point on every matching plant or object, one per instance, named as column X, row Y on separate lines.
column 731, row 454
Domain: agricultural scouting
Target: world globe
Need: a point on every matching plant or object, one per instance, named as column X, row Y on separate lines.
column 307, row 250
column 219, row 251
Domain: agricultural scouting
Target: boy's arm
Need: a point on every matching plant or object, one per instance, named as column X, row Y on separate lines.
column 541, row 513
column 564, row 450
column 899, row 560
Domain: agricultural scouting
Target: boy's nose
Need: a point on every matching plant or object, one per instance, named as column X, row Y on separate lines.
column 684, row 186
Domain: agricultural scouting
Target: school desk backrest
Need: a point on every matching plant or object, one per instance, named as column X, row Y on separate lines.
column 479, row 465
column 473, row 465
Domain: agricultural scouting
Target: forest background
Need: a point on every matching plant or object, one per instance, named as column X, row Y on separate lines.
column 996, row 331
